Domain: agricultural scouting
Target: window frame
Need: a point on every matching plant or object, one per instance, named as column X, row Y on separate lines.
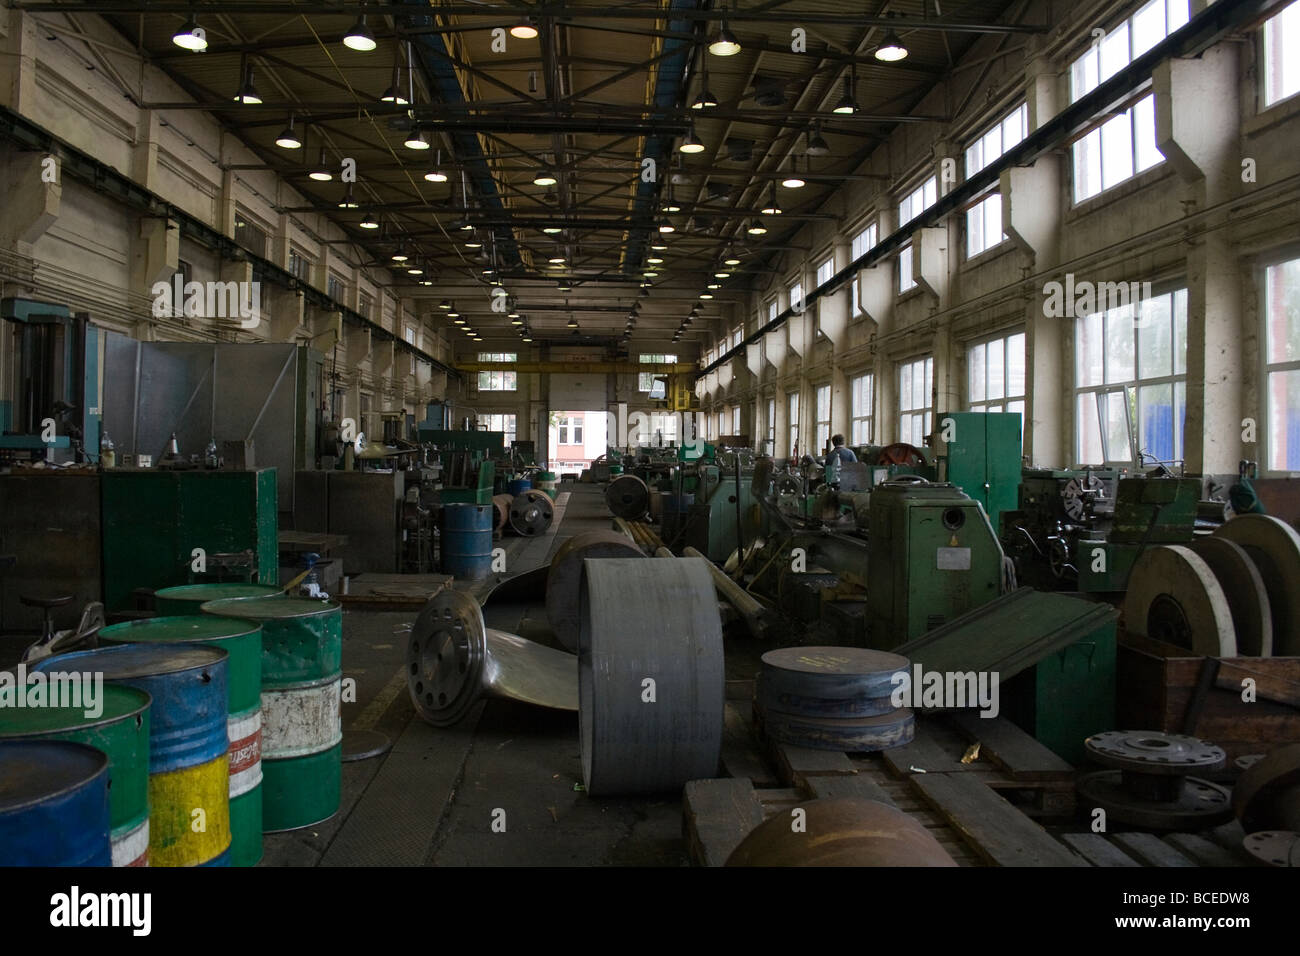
column 1006, row 400
column 821, row 424
column 1264, row 55
column 1267, row 368
column 925, row 411
column 862, row 436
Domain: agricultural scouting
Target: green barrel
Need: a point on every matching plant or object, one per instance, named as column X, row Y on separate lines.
column 115, row 720
column 302, row 735
column 548, row 481
column 187, row 598
column 242, row 640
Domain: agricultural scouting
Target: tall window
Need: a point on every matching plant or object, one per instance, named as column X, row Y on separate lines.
column 995, row 375
column 645, row 381
column 825, row 270
column 1282, row 365
column 366, row 305
column 495, row 381
column 1125, row 144
column 915, row 383
column 500, row 423
column 823, row 419
column 792, row 405
column 771, row 420
column 863, row 242
column 1130, row 375
column 862, row 399
column 796, row 296
column 984, row 219
column 855, row 299
column 735, row 420
column 249, row 234
column 299, row 265
column 336, row 288
column 917, row 201
column 905, row 280
column 1282, row 70
column 737, row 336
column 771, row 310
column 408, row 333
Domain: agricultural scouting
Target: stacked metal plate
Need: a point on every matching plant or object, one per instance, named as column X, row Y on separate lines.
column 834, row 698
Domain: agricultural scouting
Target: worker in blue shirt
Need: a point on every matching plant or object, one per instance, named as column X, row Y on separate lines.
column 845, row 455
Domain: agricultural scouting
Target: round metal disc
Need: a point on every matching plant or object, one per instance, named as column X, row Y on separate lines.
column 1274, row 546
column 1252, row 618
column 1174, row 597
column 1153, row 752
column 840, row 682
column 444, row 658
column 627, row 497
column 854, row 735
column 364, row 744
column 1267, row 795
column 1201, row 804
column 1075, row 494
column 1274, row 847
column 501, row 504
column 650, row 675
column 565, row 576
column 531, row 512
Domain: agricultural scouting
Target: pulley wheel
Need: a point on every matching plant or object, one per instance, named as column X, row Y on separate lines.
column 1174, row 597
column 839, row 682
column 650, row 675
column 1198, row 803
column 1274, row 546
column 565, row 577
column 628, row 497
column 901, row 453
column 531, row 512
column 1267, row 795
column 501, row 505
column 1274, row 847
column 444, row 657
column 852, row 734
column 1252, row 618
column 1154, row 752
column 845, row 831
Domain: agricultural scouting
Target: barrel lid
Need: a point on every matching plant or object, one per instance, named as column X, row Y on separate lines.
column 33, row 771
column 270, row 608
column 118, row 701
column 181, row 628
column 126, row 661
column 216, row 592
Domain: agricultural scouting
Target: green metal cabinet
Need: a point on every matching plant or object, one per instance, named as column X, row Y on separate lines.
column 983, row 457
column 153, row 520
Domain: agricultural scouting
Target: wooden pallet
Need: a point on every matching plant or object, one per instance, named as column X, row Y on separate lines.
column 392, row 592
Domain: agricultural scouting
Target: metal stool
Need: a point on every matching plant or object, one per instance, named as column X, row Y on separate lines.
column 46, row 604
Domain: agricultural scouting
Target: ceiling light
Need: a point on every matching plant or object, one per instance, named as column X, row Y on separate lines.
column 658, row 246
column 524, row 30
column 564, row 285
column 705, row 101
column 322, row 172
column 573, row 323
column 415, row 271
column 288, row 139
column 715, row 285
column 395, row 96
column 773, row 208
column 473, row 243
column 247, row 94
column 348, row 202
column 666, row 227
column 706, row 295
column 722, row 275
column 847, row 104
column 647, row 284
column 551, row 230
column 465, row 227
column 793, row 180
column 672, row 206
column 691, row 144
column 488, row 271
column 191, row 36
column 516, row 321
column 453, row 314
column 731, row 260
column 756, row 228
column 527, row 338
column 513, row 314
column 399, row 255
column 458, row 321
column 891, row 48
column 417, row 139
column 817, row 145
column 650, row 274
column 654, row 260
column 544, row 177
column 436, row 175
column 444, row 305
column 369, row 222
column 360, row 38
column 556, row 260
column 724, row 42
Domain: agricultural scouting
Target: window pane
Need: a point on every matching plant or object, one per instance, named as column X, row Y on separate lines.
column 1284, row 421
column 1148, row 26
column 1119, row 345
column 1114, row 51
column 1116, row 151
column 1156, row 421
column 1155, row 339
column 1087, row 166
column 1117, row 434
column 997, row 370
column 977, row 372
column 905, row 280
column 1089, row 432
column 905, row 386
column 1282, row 311
column 1016, row 365
column 1089, row 350
column 1144, row 132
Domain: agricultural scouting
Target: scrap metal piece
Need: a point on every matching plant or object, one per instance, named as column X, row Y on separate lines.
column 1243, row 586
column 1150, row 785
column 364, row 744
column 1274, row 546
column 845, row 831
column 650, row 675
column 840, row 682
column 628, row 497
column 1267, row 795
column 453, row 660
column 531, row 512
column 565, row 576
column 1174, row 597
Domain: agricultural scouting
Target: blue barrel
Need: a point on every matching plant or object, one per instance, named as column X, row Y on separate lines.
column 467, row 540
column 518, row 486
column 188, row 763
column 53, row 804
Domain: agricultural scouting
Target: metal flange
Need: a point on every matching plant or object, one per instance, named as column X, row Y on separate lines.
column 531, row 512
column 1154, row 752
column 1274, row 546
column 650, row 675
column 1267, row 795
column 1274, row 847
column 1173, row 596
column 628, row 497
column 1150, row 785
column 1194, row 805
column 1243, row 586
column 565, row 577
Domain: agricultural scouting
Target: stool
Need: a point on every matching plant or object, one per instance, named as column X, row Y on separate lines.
column 46, row 604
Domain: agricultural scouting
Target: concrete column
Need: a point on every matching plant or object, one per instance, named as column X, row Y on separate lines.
column 155, row 254
column 33, row 195
column 144, row 154
column 19, row 42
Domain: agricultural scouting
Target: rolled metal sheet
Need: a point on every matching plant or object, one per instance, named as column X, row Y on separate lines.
column 1243, row 586
column 850, row 734
column 840, row 682
column 1173, row 596
column 628, row 497
column 1274, row 546
column 650, row 675
column 844, row 831
column 565, row 576
column 531, row 513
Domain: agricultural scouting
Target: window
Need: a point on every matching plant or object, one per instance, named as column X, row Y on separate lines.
column 499, row 423
column 905, row 280
column 570, row 427
column 861, row 400
column 915, row 383
column 863, row 242
column 771, row 420
column 1282, row 71
column 663, row 428
column 792, row 403
column 495, row 381
column 248, row 234
column 823, row 423
column 796, row 296
column 917, row 201
column 984, row 219
column 408, row 333
column 735, row 420
column 1124, row 145
column 336, row 288
column 737, row 336
column 984, row 225
column 1130, row 371
column 825, row 271
column 771, row 310
column 995, row 375
column 366, row 305
column 299, row 265
column 855, row 300
column 645, row 381
column 1282, row 366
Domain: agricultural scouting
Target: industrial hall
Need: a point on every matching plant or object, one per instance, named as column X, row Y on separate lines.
column 650, row 434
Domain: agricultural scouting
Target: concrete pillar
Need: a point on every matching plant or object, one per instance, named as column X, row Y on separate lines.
column 33, row 194
column 155, row 254
column 19, row 42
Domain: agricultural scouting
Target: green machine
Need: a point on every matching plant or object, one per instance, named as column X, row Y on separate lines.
column 980, row 453
column 1148, row 511
column 154, row 519
column 468, row 470
column 933, row 556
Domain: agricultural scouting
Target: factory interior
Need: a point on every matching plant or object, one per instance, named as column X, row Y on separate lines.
column 673, row 433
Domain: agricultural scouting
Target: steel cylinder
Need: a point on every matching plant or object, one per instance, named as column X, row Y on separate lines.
column 54, row 808
column 531, row 513
column 242, row 640
column 118, row 725
column 517, row 486
column 627, row 497
column 467, row 540
column 302, row 734
column 187, row 598
column 565, row 575
column 189, row 789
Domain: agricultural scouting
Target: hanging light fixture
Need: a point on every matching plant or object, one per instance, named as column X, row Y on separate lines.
column 417, row 139
column 731, row 260
column 322, row 172
column 706, row 295
column 756, row 228
column 724, row 42
column 191, row 36
column 516, row 321
column 545, row 176
column 792, row 179
column 847, row 105
column 891, row 49
column 458, row 321
column 655, row 260
column 564, row 285
column 415, row 269
column 573, row 323
column 659, row 246
column 817, row 145
column 360, row 38
column 691, row 143
column 445, row 305
column 399, row 255
column 369, row 221
column 722, row 275
column 773, row 208
column 247, row 95
column 394, row 92
column 524, row 30
column 552, row 230
column 473, row 242
column 453, row 314
column 705, row 100
column 288, row 139
column 348, row 202
column 436, row 175
column 666, row 227
column 714, row 285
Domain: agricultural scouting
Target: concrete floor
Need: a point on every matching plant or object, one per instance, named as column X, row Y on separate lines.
column 432, row 799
